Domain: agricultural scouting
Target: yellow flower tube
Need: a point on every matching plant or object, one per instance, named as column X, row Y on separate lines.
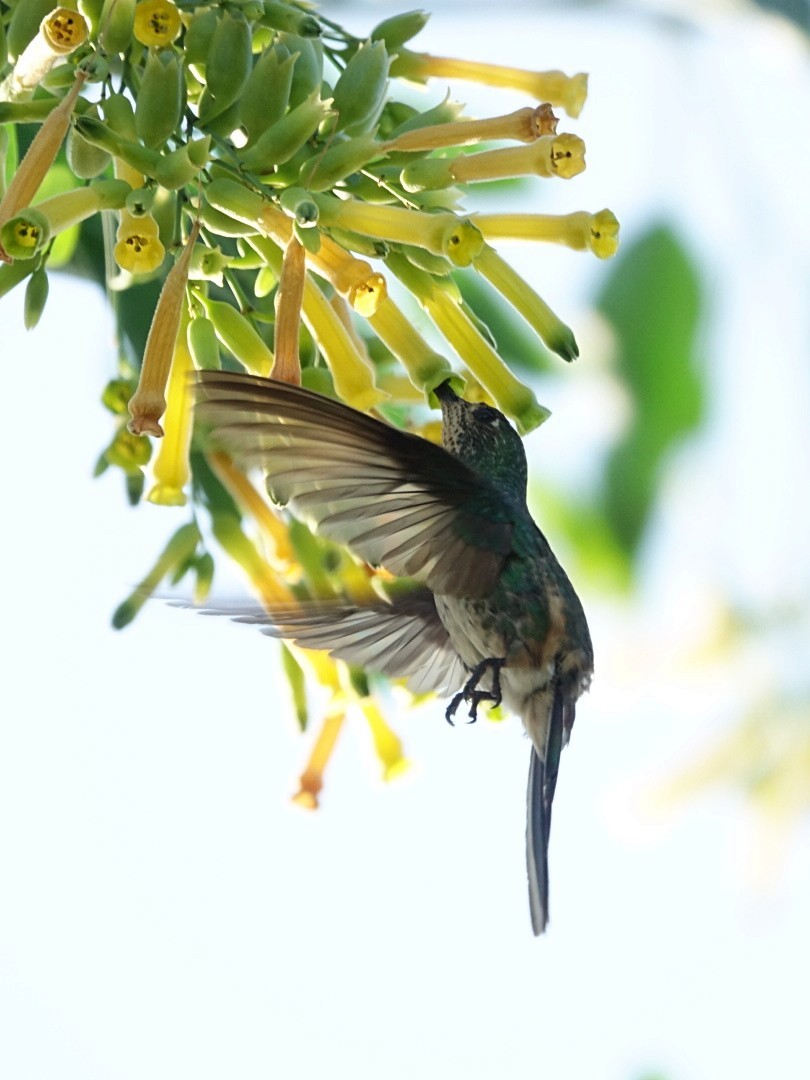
column 551, row 155
column 442, row 233
column 523, row 125
column 426, row 368
column 387, row 744
column 566, row 91
column 551, row 329
column 311, row 781
column 580, row 230
column 441, row 300
column 353, row 375
column 171, row 468
column 148, row 402
column 40, row 156
column 61, row 32
column 249, row 501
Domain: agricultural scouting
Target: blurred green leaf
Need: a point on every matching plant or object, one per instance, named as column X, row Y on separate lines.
column 652, row 300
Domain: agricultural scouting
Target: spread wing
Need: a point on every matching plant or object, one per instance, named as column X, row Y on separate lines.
column 396, row 500
column 401, row 639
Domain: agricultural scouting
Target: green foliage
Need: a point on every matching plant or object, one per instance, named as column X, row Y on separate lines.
column 652, row 300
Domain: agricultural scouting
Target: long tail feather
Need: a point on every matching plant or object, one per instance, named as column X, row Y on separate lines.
column 537, row 829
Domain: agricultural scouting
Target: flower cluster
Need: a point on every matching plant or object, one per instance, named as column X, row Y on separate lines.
column 269, row 167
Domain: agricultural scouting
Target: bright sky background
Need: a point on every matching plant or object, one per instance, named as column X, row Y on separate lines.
column 166, row 913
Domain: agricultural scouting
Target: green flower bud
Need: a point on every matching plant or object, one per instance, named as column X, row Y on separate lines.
column 160, row 98
column 267, row 91
column 338, row 161
column 116, row 395
column 291, row 19
column 26, row 112
column 92, row 9
column 296, row 202
column 227, row 65
column 179, row 550
column 115, row 25
column 25, row 235
column 398, row 29
column 239, row 336
column 286, row 137
column 120, row 115
column 139, row 157
column 127, row 451
column 84, row 159
column 36, row 295
column 140, row 201
column 308, row 70
column 308, row 238
column 429, row 174
column 178, row 168
column 204, row 573
column 199, row 35
column 203, row 344
column 223, row 224
column 360, row 91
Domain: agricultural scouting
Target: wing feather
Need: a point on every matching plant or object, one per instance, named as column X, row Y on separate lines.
column 397, row 500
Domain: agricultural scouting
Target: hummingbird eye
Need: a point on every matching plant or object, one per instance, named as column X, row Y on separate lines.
column 487, row 415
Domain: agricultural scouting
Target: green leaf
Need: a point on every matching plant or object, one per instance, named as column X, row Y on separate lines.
column 652, row 301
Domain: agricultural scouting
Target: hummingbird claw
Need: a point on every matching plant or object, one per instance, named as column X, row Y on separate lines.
column 473, row 695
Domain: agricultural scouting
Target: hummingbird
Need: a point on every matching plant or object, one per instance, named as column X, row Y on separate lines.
column 491, row 616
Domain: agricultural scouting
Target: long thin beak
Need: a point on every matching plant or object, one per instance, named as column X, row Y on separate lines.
column 445, row 393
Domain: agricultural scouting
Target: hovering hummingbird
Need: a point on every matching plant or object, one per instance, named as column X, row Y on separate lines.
column 492, row 615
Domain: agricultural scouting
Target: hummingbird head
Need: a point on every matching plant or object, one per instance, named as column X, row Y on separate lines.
column 484, row 439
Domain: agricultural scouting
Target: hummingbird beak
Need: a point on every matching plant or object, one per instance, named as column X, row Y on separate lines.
column 445, row 393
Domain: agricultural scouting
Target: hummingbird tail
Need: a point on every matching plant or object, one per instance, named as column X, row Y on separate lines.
column 537, row 831
column 547, row 716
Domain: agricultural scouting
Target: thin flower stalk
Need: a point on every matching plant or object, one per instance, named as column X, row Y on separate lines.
column 581, row 231
column 148, row 402
column 60, row 33
column 171, row 469
column 549, row 327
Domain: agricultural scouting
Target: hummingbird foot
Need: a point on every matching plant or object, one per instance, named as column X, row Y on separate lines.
column 471, row 692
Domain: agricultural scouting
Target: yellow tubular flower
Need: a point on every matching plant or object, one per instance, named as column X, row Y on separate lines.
column 40, row 156
column 249, row 501
column 71, row 207
column 581, row 231
column 442, row 302
column 232, row 538
column 387, row 745
column 171, row 468
column 567, row 92
column 442, row 233
column 311, row 781
column 353, row 278
column 148, row 402
column 525, row 125
column 551, row 330
column 287, row 364
column 138, row 249
column 426, row 368
column 157, row 22
column 352, row 374
column 60, row 33
column 552, row 155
